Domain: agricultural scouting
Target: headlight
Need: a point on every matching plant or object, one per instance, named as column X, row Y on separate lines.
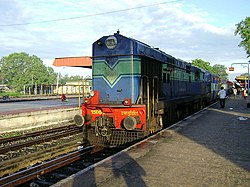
column 79, row 120
column 129, row 123
column 111, row 42
column 127, row 102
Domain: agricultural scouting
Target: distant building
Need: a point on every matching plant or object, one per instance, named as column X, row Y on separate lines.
column 82, row 87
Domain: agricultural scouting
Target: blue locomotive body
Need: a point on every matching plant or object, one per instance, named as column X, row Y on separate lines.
column 129, row 75
column 119, row 68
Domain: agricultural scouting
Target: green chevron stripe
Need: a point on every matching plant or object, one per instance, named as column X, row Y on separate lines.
column 114, row 83
column 126, row 60
column 112, row 74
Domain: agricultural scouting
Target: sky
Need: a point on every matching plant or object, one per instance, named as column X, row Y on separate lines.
column 185, row 29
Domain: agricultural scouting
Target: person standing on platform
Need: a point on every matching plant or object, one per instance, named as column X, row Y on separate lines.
column 235, row 92
column 245, row 93
column 222, row 96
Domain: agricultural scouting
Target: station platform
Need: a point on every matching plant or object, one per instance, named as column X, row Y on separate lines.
column 36, row 112
column 210, row 148
column 26, row 106
column 33, row 98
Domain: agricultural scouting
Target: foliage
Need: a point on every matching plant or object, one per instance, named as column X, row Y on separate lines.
column 202, row 64
column 217, row 69
column 12, row 94
column 244, row 74
column 20, row 69
column 243, row 29
column 220, row 70
column 68, row 78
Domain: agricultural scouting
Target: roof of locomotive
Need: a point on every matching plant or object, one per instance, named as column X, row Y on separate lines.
column 142, row 49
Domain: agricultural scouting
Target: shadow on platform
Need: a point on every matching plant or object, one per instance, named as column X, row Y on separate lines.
column 224, row 131
column 123, row 167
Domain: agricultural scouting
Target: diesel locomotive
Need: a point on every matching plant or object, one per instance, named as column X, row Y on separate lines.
column 138, row 90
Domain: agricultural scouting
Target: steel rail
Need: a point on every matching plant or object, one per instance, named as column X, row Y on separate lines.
column 37, row 141
column 33, row 134
column 31, row 173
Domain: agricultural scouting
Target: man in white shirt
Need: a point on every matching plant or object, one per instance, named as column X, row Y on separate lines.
column 222, row 96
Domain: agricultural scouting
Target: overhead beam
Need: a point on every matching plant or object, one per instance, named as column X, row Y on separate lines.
column 84, row 61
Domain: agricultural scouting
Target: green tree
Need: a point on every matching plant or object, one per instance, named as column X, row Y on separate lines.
column 220, row 70
column 217, row 69
column 18, row 69
column 243, row 29
column 244, row 74
column 68, row 78
column 202, row 64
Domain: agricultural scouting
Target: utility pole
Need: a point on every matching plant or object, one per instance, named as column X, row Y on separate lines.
column 57, row 82
column 248, row 76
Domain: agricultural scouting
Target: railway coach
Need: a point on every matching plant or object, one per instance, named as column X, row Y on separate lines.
column 139, row 90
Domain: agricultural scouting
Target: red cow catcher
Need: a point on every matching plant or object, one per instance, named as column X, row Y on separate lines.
column 111, row 125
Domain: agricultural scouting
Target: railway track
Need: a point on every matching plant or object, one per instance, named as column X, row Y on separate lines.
column 22, row 151
column 34, row 134
column 34, row 138
column 52, row 171
column 34, row 162
column 76, row 157
column 41, row 169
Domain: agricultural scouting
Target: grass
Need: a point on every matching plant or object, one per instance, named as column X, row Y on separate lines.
column 11, row 94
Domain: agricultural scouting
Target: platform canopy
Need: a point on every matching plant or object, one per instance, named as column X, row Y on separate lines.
column 84, row 61
column 242, row 78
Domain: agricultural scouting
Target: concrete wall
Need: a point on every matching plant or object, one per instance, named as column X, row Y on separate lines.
column 36, row 119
